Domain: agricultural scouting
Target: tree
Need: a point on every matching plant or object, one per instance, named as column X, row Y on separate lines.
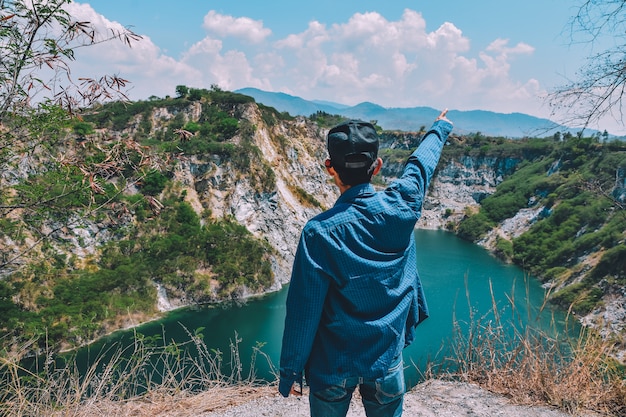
column 38, row 98
column 601, row 83
column 38, row 39
column 182, row 91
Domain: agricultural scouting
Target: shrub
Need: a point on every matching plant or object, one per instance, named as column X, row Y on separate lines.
column 474, row 227
column 581, row 298
column 153, row 183
column 612, row 263
column 504, row 248
column 83, row 129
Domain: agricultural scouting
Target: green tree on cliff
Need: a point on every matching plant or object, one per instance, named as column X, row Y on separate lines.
column 38, row 98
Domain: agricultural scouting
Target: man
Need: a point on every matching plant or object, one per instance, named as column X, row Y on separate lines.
column 355, row 295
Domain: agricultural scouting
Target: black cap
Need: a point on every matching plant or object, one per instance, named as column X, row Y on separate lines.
column 353, row 145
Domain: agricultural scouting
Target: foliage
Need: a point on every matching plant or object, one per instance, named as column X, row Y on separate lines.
column 504, row 248
column 153, row 183
column 579, row 298
column 228, row 98
column 271, row 116
column 116, row 115
column 182, row 91
column 38, row 35
column 304, row 197
column 326, row 120
column 82, row 129
column 611, row 265
column 474, row 227
column 599, row 88
column 37, row 44
column 575, row 216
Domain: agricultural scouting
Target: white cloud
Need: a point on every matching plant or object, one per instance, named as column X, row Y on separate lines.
column 367, row 58
column 315, row 35
column 500, row 46
column 228, row 69
column 240, row 27
column 149, row 71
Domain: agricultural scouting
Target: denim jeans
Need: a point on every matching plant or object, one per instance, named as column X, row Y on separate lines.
column 381, row 397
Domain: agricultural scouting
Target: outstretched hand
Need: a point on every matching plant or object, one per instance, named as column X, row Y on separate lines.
column 442, row 116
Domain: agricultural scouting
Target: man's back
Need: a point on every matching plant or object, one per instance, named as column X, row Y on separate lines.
column 355, row 296
column 364, row 246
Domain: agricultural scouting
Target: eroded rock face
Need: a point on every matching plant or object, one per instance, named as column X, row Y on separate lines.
column 295, row 151
column 460, row 185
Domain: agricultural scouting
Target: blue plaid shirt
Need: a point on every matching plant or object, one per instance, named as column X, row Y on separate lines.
column 355, row 295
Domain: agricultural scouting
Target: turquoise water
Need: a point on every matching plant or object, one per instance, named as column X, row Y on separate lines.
column 458, row 278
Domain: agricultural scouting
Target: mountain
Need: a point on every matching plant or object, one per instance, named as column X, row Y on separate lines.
column 513, row 125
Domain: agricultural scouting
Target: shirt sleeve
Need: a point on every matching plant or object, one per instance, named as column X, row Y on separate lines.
column 421, row 165
column 305, row 301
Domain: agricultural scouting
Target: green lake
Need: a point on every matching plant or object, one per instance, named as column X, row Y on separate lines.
column 458, row 277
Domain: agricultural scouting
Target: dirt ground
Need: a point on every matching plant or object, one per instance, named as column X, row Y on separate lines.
column 429, row 399
column 432, row 398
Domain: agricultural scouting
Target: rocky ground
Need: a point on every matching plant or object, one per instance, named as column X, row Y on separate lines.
column 433, row 398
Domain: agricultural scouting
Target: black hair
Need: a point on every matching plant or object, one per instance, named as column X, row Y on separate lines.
column 355, row 176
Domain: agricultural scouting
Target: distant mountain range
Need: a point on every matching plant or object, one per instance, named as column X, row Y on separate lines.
column 513, row 125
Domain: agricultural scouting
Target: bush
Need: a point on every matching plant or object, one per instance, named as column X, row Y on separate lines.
column 153, row 183
column 504, row 248
column 83, row 129
column 474, row 227
column 612, row 263
column 581, row 298
column 504, row 206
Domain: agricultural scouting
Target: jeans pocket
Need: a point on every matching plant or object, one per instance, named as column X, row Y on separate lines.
column 331, row 394
column 391, row 386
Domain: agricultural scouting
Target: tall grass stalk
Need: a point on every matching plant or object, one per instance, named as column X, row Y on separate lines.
column 573, row 371
column 143, row 370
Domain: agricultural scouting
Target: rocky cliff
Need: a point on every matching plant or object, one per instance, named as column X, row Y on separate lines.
column 279, row 187
column 294, row 150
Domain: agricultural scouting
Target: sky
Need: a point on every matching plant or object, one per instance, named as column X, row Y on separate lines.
column 497, row 55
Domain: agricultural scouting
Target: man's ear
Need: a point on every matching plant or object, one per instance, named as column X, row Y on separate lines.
column 329, row 167
column 379, row 165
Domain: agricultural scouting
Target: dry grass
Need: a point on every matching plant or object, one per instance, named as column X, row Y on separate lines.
column 184, row 404
column 528, row 366
column 142, row 379
column 533, row 366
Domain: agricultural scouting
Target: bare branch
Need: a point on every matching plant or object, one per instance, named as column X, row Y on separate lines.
column 42, row 35
column 600, row 85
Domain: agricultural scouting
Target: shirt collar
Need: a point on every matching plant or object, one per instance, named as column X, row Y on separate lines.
column 354, row 192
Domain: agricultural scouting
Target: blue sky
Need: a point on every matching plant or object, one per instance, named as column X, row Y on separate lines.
column 497, row 55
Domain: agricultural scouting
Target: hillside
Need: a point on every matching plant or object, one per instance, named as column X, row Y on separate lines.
column 181, row 201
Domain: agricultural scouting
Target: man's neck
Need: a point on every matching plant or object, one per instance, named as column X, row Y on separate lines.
column 343, row 188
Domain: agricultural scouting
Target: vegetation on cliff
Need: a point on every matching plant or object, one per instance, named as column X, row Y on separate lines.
column 111, row 173
column 578, row 186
